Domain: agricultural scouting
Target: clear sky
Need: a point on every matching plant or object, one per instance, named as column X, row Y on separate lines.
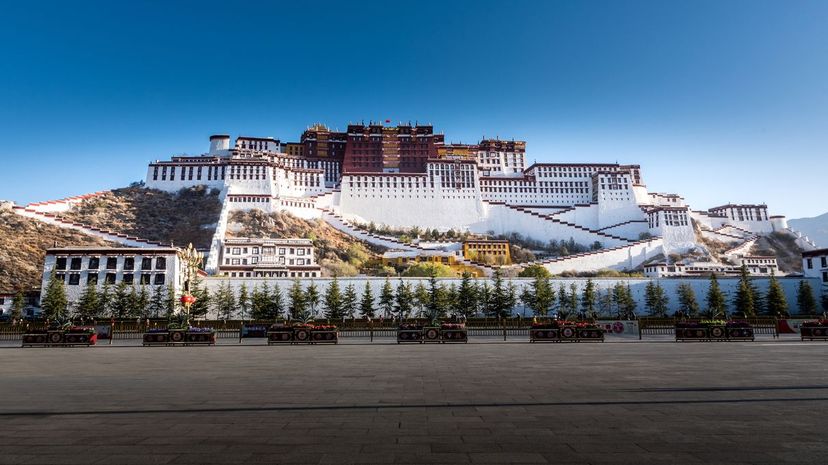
column 720, row 101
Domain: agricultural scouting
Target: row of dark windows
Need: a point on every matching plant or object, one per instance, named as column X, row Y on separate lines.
column 73, row 279
column 94, row 263
column 809, row 263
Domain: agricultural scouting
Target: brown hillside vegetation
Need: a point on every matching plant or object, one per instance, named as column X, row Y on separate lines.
column 23, row 244
column 336, row 252
column 788, row 254
column 187, row 216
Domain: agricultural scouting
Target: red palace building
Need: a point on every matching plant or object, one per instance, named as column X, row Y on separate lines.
column 376, row 148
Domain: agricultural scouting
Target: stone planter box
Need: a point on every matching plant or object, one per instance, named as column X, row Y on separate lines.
column 324, row 336
column 302, row 335
column 544, row 335
column 60, row 338
column 714, row 332
column 179, row 337
column 454, row 335
column 431, row 334
column 814, row 331
column 410, row 335
column 566, row 333
column 279, row 336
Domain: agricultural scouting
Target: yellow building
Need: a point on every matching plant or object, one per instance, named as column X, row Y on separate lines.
column 488, row 251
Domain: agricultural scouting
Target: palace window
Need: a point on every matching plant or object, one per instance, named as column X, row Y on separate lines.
column 94, row 263
column 75, row 263
column 129, row 263
column 60, row 263
column 824, row 262
column 92, row 279
column 129, row 278
column 145, row 278
column 74, row 279
column 161, row 263
column 110, row 278
column 111, row 263
column 146, row 263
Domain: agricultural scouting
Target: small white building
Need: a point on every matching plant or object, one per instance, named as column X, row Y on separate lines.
column 79, row 267
column 815, row 265
column 272, row 258
column 756, row 265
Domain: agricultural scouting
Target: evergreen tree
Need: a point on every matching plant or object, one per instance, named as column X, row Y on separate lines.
column 805, row 299
column 275, row 304
column 333, row 300
column 628, row 305
column 18, row 305
column 776, row 303
column 202, row 304
column 688, row 305
column 743, row 300
column 605, row 303
column 54, row 303
column 716, row 307
column 572, row 299
column 539, row 296
column 588, row 300
column 157, row 304
column 224, row 301
column 132, row 306
column 511, row 298
column 260, row 301
column 349, row 301
column 170, row 301
column 386, row 301
column 121, row 304
column 296, row 296
column 499, row 299
column 142, row 302
column 244, row 301
column 484, row 298
column 421, row 298
column 466, row 301
column 312, row 298
column 402, row 300
column 619, row 297
column 88, row 302
column 366, row 304
column 655, row 300
column 563, row 299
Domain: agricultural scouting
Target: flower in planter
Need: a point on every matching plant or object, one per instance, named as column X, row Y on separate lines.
column 452, row 326
column 411, row 326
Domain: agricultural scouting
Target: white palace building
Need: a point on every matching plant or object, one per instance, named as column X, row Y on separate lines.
column 406, row 175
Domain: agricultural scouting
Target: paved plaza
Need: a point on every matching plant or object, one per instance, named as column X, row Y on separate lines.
column 484, row 402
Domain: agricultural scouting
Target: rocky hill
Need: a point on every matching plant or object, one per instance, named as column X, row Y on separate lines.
column 336, row 252
column 187, row 216
column 788, row 254
column 23, row 244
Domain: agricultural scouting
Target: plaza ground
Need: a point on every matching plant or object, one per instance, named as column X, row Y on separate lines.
column 484, row 402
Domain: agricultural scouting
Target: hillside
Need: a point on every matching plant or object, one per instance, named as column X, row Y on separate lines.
column 187, row 216
column 815, row 228
column 23, row 244
column 336, row 252
column 788, row 254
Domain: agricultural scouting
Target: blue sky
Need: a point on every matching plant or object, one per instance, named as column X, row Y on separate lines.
column 720, row 101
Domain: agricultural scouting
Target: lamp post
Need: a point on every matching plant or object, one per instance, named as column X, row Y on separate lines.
column 192, row 260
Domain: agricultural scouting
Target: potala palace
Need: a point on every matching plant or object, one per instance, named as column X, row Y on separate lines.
column 407, row 175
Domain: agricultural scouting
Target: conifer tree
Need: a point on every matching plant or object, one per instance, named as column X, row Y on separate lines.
column 121, row 303
column 605, row 302
column 539, row 295
column 421, row 298
column 170, row 301
column 54, row 303
column 349, row 301
column 402, row 300
column 275, row 304
column 655, row 300
column 18, row 305
column 499, row 299
column 805, row 298
column 572, row 299
column 366, row 304
column 333, row 300
column 716, row 307
column 588, row 300
column 88, row 302
column 202, row 304
column 386, row 301
column 156, row 303
column 743, row 300
column 688, row 305
column 466, row 301
column 296, row 296
column 105, row 300
column 142, row 301
column 224, row 301
column 776, row 302
column 244, row 301
column 312, row 298
column 484, row 298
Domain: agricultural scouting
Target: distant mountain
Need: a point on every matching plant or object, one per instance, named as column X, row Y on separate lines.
column 815, row 228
